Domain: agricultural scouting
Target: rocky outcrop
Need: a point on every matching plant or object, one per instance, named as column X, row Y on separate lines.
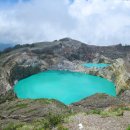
column 102, row 59
column 116, row 73
column 125, row 96
column 17, row 65
column 97, row 101
column 41, row 113
column 8, row 96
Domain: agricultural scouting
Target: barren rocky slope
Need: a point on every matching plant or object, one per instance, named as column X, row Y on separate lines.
column 66, row 54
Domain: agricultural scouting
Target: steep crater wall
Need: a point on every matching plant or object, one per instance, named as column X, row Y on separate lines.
column 65, row 54
column 116, row 73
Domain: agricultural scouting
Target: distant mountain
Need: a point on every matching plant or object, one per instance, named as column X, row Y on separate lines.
column 4, row 46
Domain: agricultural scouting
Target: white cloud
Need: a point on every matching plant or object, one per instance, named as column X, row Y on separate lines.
column 98, row 22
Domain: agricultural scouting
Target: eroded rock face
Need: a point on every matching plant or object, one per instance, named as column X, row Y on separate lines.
column 118, row 74
column 17, row 65
column 125, row 96
column 98, row 101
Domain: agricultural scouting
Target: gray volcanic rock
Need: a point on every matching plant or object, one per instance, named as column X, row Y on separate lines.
column 98, row 101
column 125, row 96
column 116, row 72
column 39, row 112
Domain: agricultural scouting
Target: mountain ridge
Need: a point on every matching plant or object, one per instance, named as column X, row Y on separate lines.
column 4, row 46
column 25, row 60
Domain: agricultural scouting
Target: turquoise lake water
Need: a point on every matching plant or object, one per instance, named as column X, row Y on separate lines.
column 100, row 65
column 65, row 86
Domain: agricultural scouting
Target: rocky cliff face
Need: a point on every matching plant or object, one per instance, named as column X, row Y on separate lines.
column 116, row 73
column 23, row 61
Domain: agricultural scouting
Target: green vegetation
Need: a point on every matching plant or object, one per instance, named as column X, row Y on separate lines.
column 95, row 111
column 13, row 126
column 22, row 105
column 51, row 121
column 118, row 112
column 61, row 127
column 20, row 126
column 128, row 128
column 113, row 111
column 44, row 101
column 19, row 106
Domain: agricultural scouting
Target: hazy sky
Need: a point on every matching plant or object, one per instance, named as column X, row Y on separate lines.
column 100, row 22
